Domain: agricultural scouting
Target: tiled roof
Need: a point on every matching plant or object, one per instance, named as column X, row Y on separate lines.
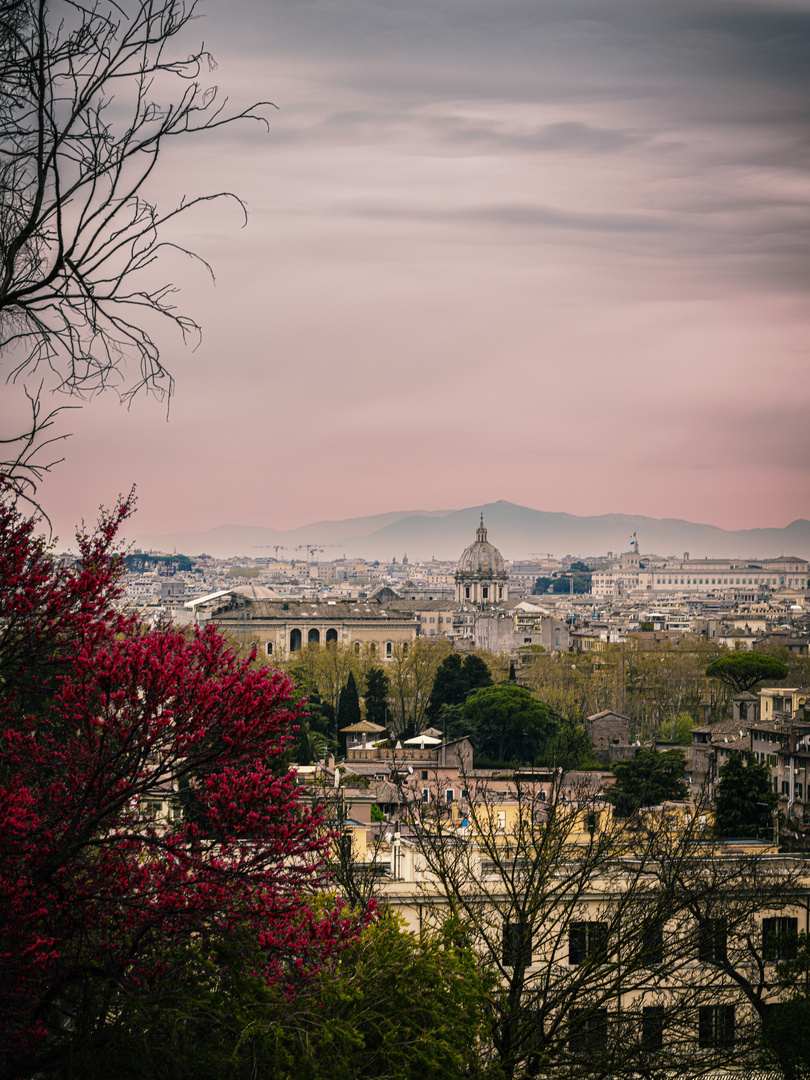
column 307, row 610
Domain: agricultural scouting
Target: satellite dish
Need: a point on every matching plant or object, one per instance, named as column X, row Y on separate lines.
column 410, row 769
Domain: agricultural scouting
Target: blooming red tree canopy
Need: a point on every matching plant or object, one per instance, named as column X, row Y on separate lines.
column 142, row 807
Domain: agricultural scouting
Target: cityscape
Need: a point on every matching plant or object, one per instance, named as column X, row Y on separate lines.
column 404, row 540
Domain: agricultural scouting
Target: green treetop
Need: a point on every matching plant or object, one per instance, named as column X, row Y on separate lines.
column 376, row 696
column 649, row 779
column 348, row 704
column 744, row 799
column 742, row 671
column 455, row 680
column 508, row 723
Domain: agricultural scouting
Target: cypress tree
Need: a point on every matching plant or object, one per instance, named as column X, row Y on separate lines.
column 348, row 704
column 376, row 696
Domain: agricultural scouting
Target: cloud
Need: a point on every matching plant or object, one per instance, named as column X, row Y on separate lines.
column 513, row 215
column 556, row 251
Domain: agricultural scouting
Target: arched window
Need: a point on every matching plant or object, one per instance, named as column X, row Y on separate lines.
column 269, row 648
column 372, row 648
column 331, row 635
column 314, row 636
column 405, row 648
column 295, row 640
column 389, row 648
column 357, row 648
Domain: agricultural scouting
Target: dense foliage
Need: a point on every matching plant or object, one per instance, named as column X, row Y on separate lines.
column 744, row 799
column 376, row 696
column 390, row 1006
column 648, row 779
column 455, row 680
column 580, row 575
column 742, row 671
column 508, row 723
column 141, row 803
column 348, row 710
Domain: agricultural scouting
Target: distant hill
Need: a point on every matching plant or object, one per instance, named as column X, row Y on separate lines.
column 516, row 530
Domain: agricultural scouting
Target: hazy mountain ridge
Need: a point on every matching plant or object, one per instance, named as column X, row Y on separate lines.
column 517, row 531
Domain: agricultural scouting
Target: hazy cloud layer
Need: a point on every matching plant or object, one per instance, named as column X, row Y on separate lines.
column 550, row 251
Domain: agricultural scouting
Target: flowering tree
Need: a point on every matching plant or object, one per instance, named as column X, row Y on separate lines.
column 142, row 808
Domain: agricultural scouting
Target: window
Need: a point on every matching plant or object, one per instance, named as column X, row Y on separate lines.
column 588, row 1030
column 517, row 943
column 587, row 941
column 269, row 648
column 449, row 795
column 424, row 774
column 467, row 592
column 389, row 648
column 485, row 592
column 715, row 1026
column 652, row 944
column 652, row 1028
column 712, row 941
column 779, row 938
column 425, row 795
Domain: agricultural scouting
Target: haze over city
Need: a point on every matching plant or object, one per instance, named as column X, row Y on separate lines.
column 553, row 253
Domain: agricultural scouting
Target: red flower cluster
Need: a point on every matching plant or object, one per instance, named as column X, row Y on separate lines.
column 142, row 806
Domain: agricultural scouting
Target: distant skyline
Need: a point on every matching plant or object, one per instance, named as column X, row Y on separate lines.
column 519, row 532
column 552, row 252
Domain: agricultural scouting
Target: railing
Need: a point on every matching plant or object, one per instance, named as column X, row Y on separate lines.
column 380, row 753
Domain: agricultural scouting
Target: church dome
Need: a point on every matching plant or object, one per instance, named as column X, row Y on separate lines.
column 481, row 559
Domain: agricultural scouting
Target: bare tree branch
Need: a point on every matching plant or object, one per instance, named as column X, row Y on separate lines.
column 89, row 96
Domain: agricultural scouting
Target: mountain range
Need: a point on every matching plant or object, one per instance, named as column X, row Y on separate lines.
column 517, row 531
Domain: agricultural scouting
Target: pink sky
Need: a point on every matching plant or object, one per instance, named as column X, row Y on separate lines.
column 549, row 252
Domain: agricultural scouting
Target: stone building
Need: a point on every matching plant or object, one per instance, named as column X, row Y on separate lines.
column 635, row 575
column 481, row 577
column 285, row 625
column 610, row 734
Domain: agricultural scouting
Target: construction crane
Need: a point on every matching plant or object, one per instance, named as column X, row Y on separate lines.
column 310, row 550
column 276, row 548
